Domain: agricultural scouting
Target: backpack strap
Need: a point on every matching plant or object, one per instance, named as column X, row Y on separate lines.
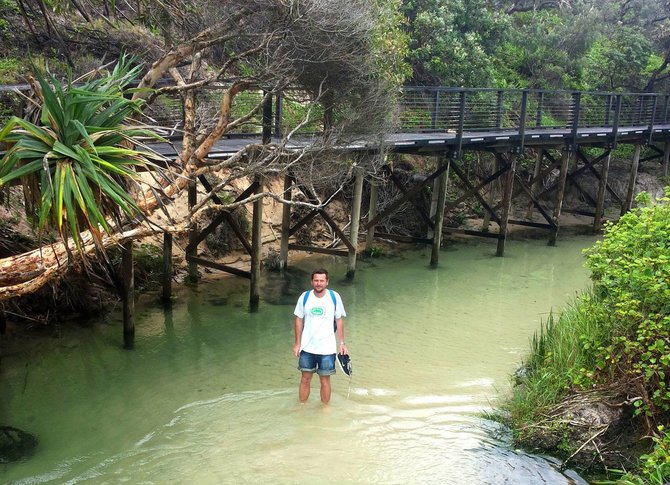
column 305, row 295
column 332, row 295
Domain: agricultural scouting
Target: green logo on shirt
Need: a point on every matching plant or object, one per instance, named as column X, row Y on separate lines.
column 317, row 311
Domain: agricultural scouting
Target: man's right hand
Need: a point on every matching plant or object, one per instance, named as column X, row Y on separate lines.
column 296, row 350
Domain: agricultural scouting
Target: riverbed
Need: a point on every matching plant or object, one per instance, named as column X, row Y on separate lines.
column 209, row 393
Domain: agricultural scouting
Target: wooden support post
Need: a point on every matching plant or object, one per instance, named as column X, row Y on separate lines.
column 285, row 222
column 506, row 205
column 560, row 192
column 355, row 221
column 167, row 268
column 628, row 203
column 534, row 185
column 600, row 198
column 256, row 244
column 490, row 196
column 192, row 251
column 430, row 232
column 666, row 157
column 439, row 214
column 128, row 281
column 372, row 213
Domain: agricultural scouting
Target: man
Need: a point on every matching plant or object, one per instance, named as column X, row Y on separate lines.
column 315, row 334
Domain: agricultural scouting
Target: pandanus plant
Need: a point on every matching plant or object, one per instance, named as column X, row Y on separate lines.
column 79, row 161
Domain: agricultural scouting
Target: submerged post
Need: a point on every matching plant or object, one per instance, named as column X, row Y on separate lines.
column 192, row 249
column 506, row 205
column 439, row 213
column 256, row 244
column 628, row 203
column 355, row 221
column 560, row 192
column 128, row 281
column 167, row 268
column 285, row 222
column 372, row 213
column 535, row 183
column 600, row 198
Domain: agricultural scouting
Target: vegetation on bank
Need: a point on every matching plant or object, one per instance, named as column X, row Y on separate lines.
column 612, row 343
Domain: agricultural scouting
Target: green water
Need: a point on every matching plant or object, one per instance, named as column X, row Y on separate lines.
column 209, row 395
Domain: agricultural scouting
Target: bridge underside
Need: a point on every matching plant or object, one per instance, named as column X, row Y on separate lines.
column 564, row 160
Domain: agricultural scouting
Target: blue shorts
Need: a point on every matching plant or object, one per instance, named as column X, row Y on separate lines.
column 324, row 365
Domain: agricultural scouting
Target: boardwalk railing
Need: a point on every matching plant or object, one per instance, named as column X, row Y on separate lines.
column 425, row 109
column 434, row 110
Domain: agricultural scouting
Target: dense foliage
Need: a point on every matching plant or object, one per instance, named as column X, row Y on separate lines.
column 631, row 274
column 588, row 45
column 75, row 159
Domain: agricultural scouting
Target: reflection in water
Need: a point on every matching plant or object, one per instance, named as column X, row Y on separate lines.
column 209, row 395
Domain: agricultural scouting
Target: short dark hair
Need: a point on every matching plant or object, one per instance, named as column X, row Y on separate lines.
column 319, row 271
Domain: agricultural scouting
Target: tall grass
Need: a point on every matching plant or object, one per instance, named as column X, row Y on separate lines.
column 560, row 357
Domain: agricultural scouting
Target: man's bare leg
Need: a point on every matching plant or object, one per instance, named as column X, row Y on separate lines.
column 325, row 389
column 305, row 382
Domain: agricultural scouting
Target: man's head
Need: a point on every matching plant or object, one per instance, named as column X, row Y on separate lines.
column 319, row 280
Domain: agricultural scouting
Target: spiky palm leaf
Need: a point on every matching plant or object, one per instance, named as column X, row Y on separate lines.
column 79, row 157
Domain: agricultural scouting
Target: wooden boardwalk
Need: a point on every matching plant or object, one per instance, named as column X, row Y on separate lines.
column 446, row 123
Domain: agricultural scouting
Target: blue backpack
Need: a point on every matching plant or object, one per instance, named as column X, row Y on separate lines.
column 332, row 295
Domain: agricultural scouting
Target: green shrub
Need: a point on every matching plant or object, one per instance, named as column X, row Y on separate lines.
column 631, row 275
column 654, row 466
column 10, row 70
column 148, row 267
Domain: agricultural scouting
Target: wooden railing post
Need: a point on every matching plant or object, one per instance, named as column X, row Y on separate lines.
column 499, row 109
column 576, row 107
column 540, row 103
column 461, row 124
column 608, row 108
column 615, row 123
column 522, row 120
column 436, row 109
column 652, row 118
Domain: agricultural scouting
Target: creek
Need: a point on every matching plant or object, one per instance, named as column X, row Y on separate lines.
column 209, row 394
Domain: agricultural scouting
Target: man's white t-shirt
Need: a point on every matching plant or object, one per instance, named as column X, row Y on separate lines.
column 318, row 315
